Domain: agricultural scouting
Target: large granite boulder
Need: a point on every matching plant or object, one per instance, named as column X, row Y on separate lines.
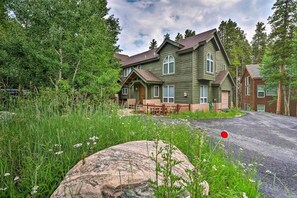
column 120, row 171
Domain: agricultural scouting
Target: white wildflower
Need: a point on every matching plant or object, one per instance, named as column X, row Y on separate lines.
column 3, row 189
column 58, row 153
column 6, row 174
column 243, row 165
column 244, row 195
column 204, row 160
column 16, row 178
column 251, row 180
column 251, row 165
column 57, row 145
column 268, row 171
column 77, row 145
column 205, row 187
column 94, row 143
column 88, row 143
column 34, row 190
column 50, row 150
column 260, row 164
column 94, row 138
column 223, row 165
column 240, row 149
column 214, row 167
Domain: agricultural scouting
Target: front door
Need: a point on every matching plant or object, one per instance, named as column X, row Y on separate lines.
column 141, row 94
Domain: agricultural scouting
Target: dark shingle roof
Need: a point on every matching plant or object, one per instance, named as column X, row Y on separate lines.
column 254, row 70
column 121, row 57
column 190, row 42
column 140, row 58
column 185, row 44
column 146, row 76
column 221, row 77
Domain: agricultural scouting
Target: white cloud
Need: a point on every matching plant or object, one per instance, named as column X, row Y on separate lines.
column 143, row 20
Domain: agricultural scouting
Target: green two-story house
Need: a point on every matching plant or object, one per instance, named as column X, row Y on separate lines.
column 190, row 71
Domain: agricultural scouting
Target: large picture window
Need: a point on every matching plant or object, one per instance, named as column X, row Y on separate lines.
column 203, row 94
column 168, row 93
column 209, row 63
column 168, row 65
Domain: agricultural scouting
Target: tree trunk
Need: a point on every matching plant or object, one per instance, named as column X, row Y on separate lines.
column 279, row 92
column 236, row 88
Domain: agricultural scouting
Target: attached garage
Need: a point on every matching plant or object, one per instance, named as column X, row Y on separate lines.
column 225, row 99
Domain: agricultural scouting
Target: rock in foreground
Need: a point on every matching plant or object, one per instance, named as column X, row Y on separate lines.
column 120, row 171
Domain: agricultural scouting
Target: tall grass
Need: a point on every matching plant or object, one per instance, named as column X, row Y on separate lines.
column 43, row 140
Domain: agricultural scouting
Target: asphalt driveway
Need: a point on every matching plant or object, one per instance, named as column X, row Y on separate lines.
column 268, row 139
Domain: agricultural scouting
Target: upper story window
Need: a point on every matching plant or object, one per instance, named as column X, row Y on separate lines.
column 224, row 67
column 127, row 71
column 247, row 83
column 261, row 91
column 168, row 65
column 209, row 63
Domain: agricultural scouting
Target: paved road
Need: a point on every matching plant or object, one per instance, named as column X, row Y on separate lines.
column 268, row 139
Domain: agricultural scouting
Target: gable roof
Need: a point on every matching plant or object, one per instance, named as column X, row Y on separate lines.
column 143, row 57
column 254, row 71
column 221, row 77
column 147, row 76
column 184, row 45
column 121, row 57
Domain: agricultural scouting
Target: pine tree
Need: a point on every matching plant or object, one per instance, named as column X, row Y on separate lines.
column 259, row 42
column 236, row 45
column 283, row 23
column 179, row 36
column 189, row 33
column 153, row 44
column 167, row 36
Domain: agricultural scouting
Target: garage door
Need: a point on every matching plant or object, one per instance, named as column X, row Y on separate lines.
column 225, row 99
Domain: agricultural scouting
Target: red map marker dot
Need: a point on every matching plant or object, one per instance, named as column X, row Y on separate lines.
column 224, row 134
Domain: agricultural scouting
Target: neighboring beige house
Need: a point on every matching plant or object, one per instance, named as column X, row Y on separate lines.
column 190, row 71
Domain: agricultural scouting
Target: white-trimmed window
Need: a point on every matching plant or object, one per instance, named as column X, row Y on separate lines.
column 224, row 67
column 271, row 91
column 209, row 63
column 156, row 91
column 168, row 93
column 247, row 83
column 261, row 91
column 168, row 65
column 125, row 91
column 127, row 71
column 203, row 94
column 261, row 108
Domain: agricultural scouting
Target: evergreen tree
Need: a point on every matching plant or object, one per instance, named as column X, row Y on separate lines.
column 167, row 36
column 236, row 45
column 153, row 44
column 189, row 33
column 179, row 36
column 283, row 23
column 259, row 42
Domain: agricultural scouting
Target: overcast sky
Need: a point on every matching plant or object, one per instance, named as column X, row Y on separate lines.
column 143, row 20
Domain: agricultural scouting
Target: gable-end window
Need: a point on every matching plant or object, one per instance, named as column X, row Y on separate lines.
column 224, row 67
column 209, row 63
column 247, row 83
column 168, row 65
column 168, row 93
column 261, row 91
column 260, row 108
column 203, row 94
column 156, row 91
column 127, row 71
column 125, row 91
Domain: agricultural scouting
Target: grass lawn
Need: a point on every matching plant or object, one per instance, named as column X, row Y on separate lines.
column 209, row 115
column 42, row 142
